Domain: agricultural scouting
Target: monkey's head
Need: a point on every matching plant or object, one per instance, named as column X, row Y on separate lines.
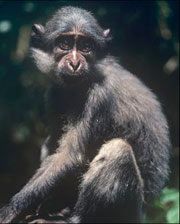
column 69, row 44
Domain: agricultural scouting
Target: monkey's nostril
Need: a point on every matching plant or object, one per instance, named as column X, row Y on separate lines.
column 75, row 65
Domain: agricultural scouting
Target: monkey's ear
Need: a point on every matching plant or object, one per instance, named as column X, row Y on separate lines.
column 36, row 36
column 37, row 29
column 106, row 32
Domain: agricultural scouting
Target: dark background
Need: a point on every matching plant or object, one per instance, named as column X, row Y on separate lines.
column 145, row 39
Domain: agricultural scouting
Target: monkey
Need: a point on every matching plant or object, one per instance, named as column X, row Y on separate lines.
column 107, row 152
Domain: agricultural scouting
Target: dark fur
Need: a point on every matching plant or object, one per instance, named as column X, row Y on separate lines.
column 108, row 143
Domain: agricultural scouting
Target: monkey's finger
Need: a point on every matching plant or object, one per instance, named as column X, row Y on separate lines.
column 30, row 217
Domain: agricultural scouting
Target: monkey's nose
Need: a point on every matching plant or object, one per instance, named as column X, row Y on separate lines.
column 75, row 65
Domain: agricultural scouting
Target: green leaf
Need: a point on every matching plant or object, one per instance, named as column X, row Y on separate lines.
column 173, row 215
column 170, row 195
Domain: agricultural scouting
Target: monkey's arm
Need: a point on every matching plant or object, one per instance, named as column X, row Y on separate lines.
column 68, row 157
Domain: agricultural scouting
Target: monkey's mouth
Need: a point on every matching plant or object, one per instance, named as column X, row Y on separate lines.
column 70, row 77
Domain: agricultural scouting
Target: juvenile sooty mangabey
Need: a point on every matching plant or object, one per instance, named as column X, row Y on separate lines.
column 107, row 151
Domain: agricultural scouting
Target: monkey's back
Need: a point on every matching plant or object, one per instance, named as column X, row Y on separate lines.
column 138, row 118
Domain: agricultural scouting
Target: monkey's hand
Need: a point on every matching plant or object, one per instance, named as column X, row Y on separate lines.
column 7, row 214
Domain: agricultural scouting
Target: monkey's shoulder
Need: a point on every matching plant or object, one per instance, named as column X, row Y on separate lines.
column 128, row 95
column 128, row 86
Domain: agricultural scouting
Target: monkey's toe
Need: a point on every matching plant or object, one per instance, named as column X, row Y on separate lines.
column 40, row 221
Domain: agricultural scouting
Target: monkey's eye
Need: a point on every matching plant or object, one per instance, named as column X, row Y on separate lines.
column 85, row 46
column 65, row 44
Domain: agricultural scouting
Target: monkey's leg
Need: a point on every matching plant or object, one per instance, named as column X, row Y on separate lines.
column 50, row 145
column 112, row 189
column 44, row 150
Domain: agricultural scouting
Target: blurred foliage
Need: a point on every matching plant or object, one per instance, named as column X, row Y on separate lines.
column 170, row 203
column 167, row 208
column 145, row 38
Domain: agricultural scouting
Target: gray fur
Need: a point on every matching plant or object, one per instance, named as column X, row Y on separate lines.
column 109, row 139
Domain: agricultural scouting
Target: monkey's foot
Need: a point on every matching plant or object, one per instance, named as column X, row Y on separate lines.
column 40, row 221
column 36, row 219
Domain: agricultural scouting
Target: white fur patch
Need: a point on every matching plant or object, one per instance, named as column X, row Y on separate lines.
column 43, row 60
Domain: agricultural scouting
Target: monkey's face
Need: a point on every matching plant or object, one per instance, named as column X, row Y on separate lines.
column 69, row 46
column 74, row 54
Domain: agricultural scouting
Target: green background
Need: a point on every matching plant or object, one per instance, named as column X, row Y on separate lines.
column 145, row 39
